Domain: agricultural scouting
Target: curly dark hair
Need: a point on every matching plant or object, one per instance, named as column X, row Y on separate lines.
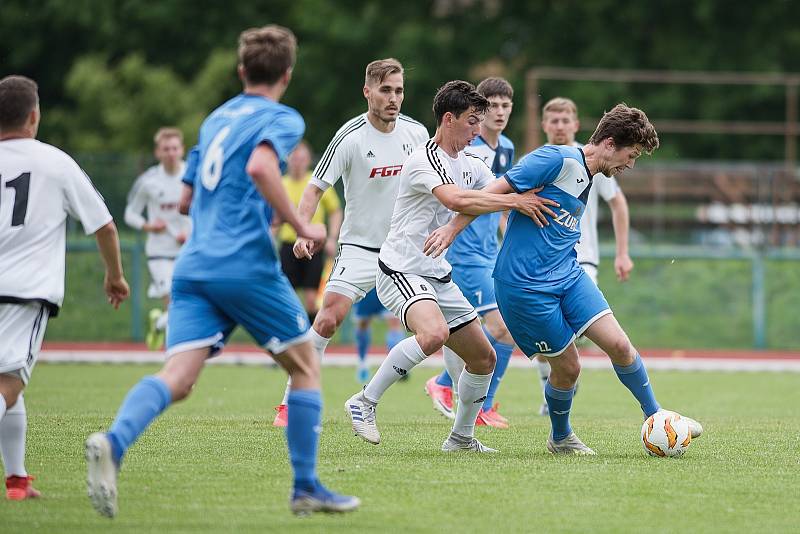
column 627, row 126
column 456, row 97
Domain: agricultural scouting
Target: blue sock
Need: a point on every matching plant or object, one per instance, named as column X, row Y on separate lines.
column 503, row 352
column 559, row 402
column 144, row 402
column 444, row 379
column 393, row 337
column 635, row 378
column 302, row 435
column 363, row 339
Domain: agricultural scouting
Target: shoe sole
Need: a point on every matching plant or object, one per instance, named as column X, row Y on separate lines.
column 102, row 495
column 439, row 407
column 353, row 425
column 574, row 452
column 307, row 506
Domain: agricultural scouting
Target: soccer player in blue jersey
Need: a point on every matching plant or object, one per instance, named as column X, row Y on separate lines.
column 545, row 297
column 473, row 255
column 227, row 274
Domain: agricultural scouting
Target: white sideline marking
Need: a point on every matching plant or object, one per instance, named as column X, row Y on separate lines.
column 349, row 360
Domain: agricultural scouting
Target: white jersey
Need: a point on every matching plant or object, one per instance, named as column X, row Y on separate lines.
column 369, row 161
column 418, row 212
column 39, row 186
column 160, row 193
column 587, row 247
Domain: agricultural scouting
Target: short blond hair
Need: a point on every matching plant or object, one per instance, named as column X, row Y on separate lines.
column 378, row 70
column 559, row 104
column 165, row 133
column 266, row 53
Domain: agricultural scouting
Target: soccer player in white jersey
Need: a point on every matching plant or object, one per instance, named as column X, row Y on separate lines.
column 438, row 180
column 546, row 299
column 560, row 124
column 39, row 186
column 367, row 153
column 158, row 190
column 472, row 256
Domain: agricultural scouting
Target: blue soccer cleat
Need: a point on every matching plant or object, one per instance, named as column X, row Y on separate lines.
column 321, row 499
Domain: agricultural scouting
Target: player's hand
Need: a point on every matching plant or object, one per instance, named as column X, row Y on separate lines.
column 181, row 238
column 623, row 265
column 303, row 248
column 116, row 289
column 535, row 207
column 156, row 226
column 439, row 240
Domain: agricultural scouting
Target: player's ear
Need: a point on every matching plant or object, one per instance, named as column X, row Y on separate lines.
column 240, row 72
column 366, row 91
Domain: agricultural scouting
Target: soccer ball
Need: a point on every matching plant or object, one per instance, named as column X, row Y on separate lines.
column 665, row 433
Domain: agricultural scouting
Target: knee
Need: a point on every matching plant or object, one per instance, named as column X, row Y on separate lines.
column 621, row 351
column 328, row 320
column 179, row 386
column 566, row 374
column 486, row 362
column 432, row 339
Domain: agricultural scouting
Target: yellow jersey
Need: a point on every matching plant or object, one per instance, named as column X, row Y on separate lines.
column 328, row 204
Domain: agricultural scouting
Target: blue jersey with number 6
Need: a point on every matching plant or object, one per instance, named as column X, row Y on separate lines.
column 230, row 237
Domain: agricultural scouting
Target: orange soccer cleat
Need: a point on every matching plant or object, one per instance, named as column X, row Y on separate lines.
column 490, row 418
column 441, row 396
column 282, row 417
column 20, row 488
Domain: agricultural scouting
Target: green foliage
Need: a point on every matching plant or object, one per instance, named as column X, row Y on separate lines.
column 215, row 464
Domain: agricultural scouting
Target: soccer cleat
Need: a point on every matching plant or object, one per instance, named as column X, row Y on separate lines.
column 362, row 373
column 457, row 442
column 154, row 339
column 441, row 396
column 496, row 414
column 102, row 475
column 695, row 428
column 321, row 500
column 569, row 445
column 544, row 409
column 282, row 416
column 489, row 418
column 20, row 488
column 362, row 417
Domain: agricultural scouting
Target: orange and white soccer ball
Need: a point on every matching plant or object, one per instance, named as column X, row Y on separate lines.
column 666, row 433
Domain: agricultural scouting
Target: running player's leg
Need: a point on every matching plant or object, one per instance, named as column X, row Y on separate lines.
column 503, row 344
column 363, row 342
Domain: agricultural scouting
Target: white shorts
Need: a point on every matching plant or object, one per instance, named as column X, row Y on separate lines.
column 160, row 277
column 398, row 291
column 353, row 271
column 21, row 331
column 591, row 270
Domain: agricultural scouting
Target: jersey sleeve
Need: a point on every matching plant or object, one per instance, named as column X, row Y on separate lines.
column 607, row 187
column 426, row 171
column 335, row 161
column 483, row 174
column 82, row 200
column 282, row 134
column 540, row 167
column 192, row 162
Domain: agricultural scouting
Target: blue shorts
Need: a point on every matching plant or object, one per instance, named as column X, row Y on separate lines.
column 204, row 313
column 547, row 319
column 370, row 306
column 475, row 282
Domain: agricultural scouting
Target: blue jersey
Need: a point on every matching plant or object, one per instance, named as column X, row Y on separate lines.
column 477, row 244
column 535, row 256
column 230, row 237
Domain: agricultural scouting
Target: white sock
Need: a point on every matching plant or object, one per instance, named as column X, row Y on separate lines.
column 13, row 427
column 2, row 407
column 544, row 372
column 453, row 363
column 472, row 391
column 161, row 323
column 401, row 359
column 320, row 344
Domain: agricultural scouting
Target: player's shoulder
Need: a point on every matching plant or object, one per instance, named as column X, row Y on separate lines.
column 44, row 152
column 413, row 125
column 476, row 160
column 505, row 142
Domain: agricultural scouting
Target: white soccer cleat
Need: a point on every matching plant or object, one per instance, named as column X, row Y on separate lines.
column 362, row 417
column 457, row 442
column 102, row 475
column 695, row 428
column 569, row 445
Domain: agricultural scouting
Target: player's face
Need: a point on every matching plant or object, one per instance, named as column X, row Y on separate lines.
column 560, row 127
column 465, row 128
column 621, row 159
column 299, row 161
column 169, row 151
column 498, row 113
column 384, row 99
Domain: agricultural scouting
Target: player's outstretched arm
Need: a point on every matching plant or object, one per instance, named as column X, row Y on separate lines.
column 114, row 284
column 309, row 203
column 265, row 172
column 623, row 264
column 186, row 199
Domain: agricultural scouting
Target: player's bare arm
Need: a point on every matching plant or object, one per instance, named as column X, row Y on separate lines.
column 114, row 284
column 309, row 202
column 265, row 172
column 186, row 199
column 623, row 264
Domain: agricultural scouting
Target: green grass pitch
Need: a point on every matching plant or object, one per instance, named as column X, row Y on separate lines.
column 215, row 464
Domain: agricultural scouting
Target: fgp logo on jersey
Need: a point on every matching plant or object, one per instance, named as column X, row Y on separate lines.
column 569, row 220
column 467, row 175
column 385, row 172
